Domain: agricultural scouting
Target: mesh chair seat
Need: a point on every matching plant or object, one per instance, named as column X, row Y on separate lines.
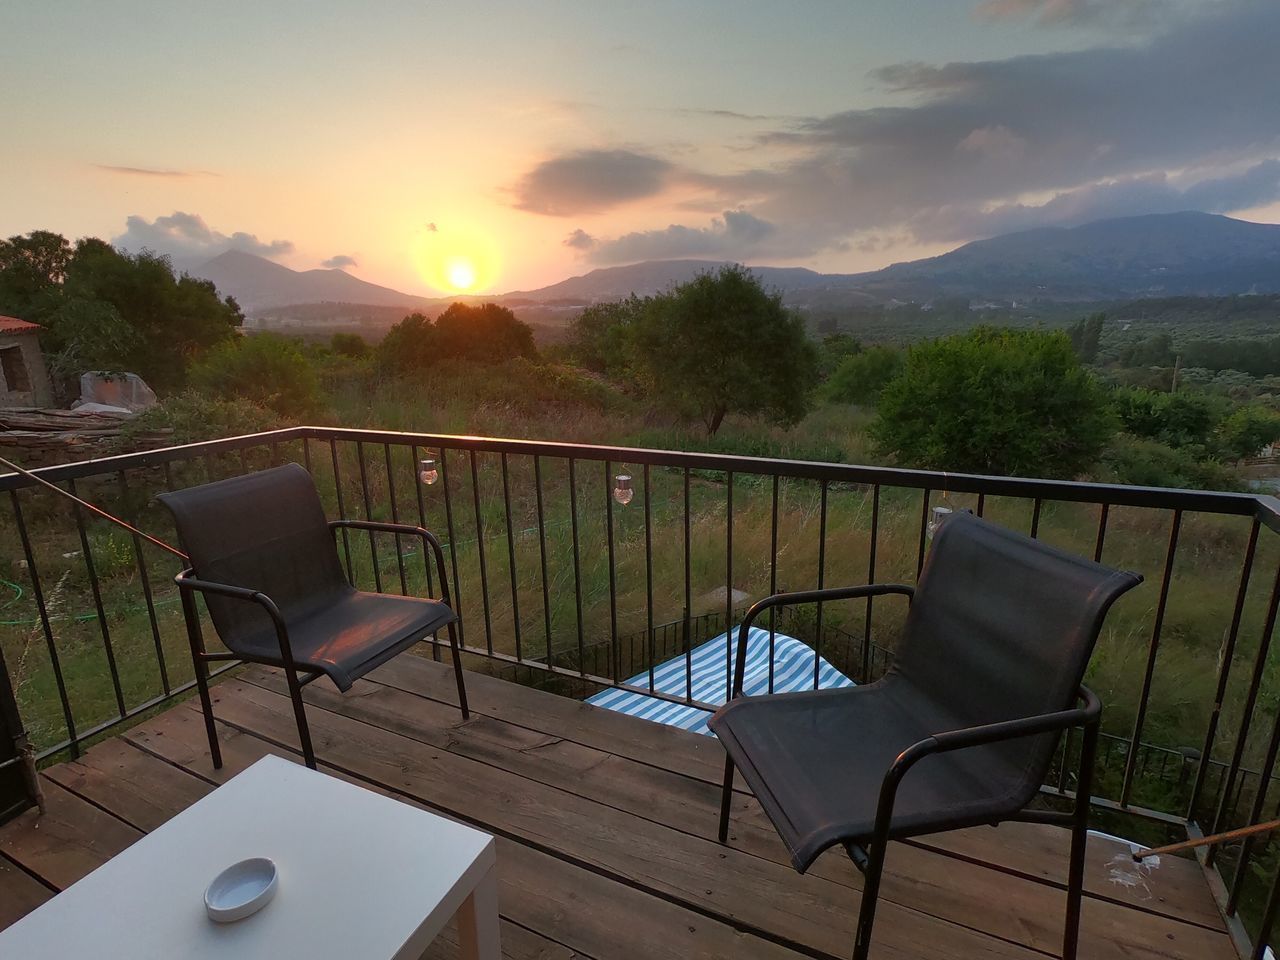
column 265, row 560
column 351, row 634
column 815, row 761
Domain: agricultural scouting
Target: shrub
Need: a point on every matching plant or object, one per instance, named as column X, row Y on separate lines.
column 1149, row 463
column 349, row 345
column 265, row 368
column 860, row 377
column 190, row 417
column 1012, row 402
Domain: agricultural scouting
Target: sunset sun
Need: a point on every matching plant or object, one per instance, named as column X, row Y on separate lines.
column 461, row 274
column 457, row 258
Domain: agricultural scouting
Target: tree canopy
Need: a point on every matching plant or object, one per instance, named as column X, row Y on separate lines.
column 716, row 345
column 103, row 309
column 995, row 401
column 488, row 333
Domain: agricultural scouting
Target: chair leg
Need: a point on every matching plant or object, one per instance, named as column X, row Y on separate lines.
column 726, row 799
column 201, row 668
column 870, row 897
column 300, row 715
column 457, row 671
column 1079, row 842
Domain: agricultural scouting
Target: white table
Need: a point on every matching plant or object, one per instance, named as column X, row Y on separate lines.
column 361, row 876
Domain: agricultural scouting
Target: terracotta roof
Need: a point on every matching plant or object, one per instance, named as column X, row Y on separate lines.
column 14, row 325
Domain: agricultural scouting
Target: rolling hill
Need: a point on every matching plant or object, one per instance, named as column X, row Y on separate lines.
column 1180, row 254
column 259, row 284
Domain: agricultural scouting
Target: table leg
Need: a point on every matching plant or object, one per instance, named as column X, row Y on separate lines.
column 478, row 921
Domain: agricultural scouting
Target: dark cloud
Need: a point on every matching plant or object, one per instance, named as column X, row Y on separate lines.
column 587, row 181
column 736, row 235
column 339, row 262
column 580, row 240
column 1131, row 196
column 148, row 172
column 1092, row 125
column 188, row 239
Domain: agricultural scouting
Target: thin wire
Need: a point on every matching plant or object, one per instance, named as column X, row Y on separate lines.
column 96, row 510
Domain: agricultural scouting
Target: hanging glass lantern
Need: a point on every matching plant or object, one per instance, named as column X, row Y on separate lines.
column 427, row 471
column 936, row 518
column 622, row 491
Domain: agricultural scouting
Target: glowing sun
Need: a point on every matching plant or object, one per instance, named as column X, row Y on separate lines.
column 457, row 259
column 461, row 274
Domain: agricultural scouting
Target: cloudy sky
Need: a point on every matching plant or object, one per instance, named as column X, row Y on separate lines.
column 532, row 141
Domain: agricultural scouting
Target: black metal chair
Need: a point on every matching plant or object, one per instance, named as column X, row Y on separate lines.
column 266, row 561
column 961, row 730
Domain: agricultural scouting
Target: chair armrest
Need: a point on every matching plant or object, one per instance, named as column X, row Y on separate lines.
column 803, row 596
column 1088, row 715
column 405, row 529
column 188, row 582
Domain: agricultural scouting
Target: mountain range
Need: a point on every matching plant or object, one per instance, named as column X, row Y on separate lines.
column 1179, row 254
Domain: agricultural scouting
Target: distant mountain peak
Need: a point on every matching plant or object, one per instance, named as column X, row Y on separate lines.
column 260, row 284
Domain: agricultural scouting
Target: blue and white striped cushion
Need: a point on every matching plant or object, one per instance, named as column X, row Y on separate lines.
column 792, row 666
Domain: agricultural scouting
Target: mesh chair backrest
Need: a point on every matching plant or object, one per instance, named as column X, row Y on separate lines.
column 265, row 531
column 1002, row 627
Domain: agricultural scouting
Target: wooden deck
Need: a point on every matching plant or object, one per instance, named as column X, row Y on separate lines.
column 606, row 829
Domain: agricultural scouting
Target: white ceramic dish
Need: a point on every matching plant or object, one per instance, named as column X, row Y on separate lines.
column 241, row 890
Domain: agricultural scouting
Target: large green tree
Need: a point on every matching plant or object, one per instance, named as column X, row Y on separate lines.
column 722, row 344
column 1009, row 402
column 487, row 334
column 103, row 309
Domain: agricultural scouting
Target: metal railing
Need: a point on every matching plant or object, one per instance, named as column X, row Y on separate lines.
column 557, row 578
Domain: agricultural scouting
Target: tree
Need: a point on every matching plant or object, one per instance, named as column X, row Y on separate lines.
column 601, row 338
column 1174, row 419
column 264, row 368
column 103, row 309
column 487, row 333
column 1085, row 335
column 31, row 268
column 1010, row 402
column 861, row 377
column 407, row 346
column 722, row 344
column 1246, row 431
column 349, row 345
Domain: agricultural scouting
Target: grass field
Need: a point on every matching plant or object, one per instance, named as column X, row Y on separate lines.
column 1203, row 582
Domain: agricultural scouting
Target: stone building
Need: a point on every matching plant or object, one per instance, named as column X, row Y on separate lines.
column 24, row 382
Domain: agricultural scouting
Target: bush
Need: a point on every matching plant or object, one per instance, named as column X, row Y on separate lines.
column 486, row 334
column 349, row 345
column 1149, row 463
column 265, row 368
column 1174, row 419
column 1011, row 402
column 190, row 417
column 860, row 377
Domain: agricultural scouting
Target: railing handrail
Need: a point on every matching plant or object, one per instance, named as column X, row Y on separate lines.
column 942, row 481
column 1264, row 507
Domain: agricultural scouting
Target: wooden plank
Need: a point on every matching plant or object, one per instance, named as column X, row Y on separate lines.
column 20, row 893
column 949, row 889
column 1174, row 888
column 69, row 840
column 652, row 743
column 1035, row 851
column 517, row 944
column 135, row 786
column 566, row 910
column 721, row 881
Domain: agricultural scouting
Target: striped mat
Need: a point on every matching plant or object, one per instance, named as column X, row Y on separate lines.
column 792, row 670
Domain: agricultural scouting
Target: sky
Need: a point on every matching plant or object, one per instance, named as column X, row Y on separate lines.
column 504, row 145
